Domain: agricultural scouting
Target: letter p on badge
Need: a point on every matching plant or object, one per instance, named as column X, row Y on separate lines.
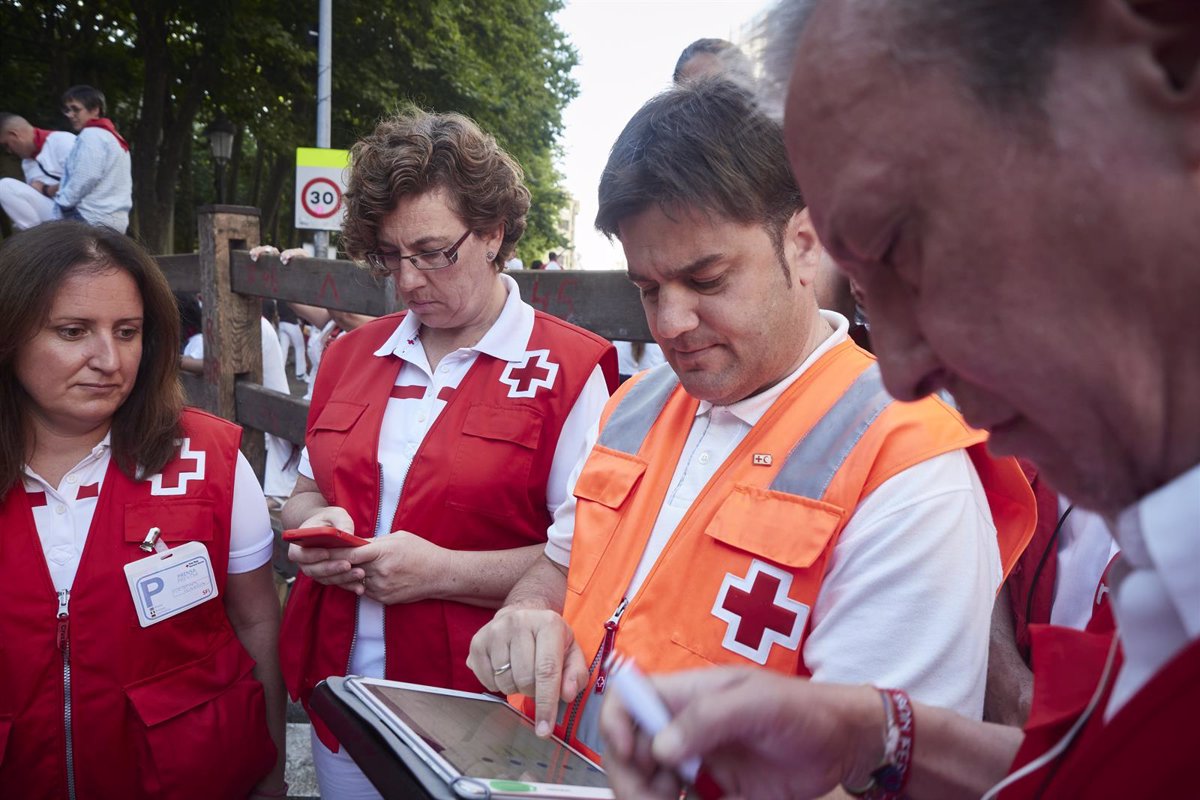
column 149, row 587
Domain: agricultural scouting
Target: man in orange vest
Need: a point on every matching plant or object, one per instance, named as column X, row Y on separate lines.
column 1015, row 185
column 760, row 499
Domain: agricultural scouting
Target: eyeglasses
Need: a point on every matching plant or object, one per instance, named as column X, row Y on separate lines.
column 434, row 259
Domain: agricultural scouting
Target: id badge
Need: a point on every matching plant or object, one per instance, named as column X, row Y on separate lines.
column 170, row 582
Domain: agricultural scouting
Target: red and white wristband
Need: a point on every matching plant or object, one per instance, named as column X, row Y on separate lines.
column 890, row 778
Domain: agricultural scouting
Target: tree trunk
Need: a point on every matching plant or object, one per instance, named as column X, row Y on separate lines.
column 272, row 197
column 165, row 125
column 235, row 167
column 256, row 178
column 151, row 212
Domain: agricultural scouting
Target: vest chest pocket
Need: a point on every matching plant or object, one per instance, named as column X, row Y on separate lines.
column 493, row 462
column 603, row 491
column 325, row 437
column 787, row 529
column 755, row 604
column 176, row 520
column 179, row 521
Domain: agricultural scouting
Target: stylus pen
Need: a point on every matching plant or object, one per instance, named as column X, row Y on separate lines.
column 651, row 715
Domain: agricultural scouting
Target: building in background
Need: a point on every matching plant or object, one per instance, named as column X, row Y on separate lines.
column 568, row 215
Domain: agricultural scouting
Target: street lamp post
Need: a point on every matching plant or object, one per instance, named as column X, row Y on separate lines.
column 220, row 138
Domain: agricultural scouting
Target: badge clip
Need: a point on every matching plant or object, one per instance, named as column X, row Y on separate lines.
column 152, row 543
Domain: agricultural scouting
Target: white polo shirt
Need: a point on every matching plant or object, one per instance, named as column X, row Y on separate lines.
column 1157, row 604
column 908, row 595
column 63, row 515
column 410, row 415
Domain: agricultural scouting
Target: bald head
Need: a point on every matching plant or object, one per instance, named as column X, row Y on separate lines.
column 1002, row 50
column 16, row 135
column 997, row 176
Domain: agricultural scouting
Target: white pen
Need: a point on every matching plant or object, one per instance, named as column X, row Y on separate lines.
column 644, row 705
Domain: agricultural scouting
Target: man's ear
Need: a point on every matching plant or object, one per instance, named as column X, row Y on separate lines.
column 802, row 248
column 1166, row 34
column 1176, row 25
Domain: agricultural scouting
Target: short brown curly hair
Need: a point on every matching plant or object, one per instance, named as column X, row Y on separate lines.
column 416, row 151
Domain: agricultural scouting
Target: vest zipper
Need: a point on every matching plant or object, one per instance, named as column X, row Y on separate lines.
column 607, row 644
column 64, row 646
column 600, row 662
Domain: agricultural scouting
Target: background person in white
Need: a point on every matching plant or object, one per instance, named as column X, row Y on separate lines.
column 43, row 157
column 725, row 266
column 279, row 473
column 97, row 185
column 436, row 203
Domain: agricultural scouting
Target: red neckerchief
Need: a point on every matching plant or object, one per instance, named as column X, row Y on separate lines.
column 39, row 140
column 106, row 124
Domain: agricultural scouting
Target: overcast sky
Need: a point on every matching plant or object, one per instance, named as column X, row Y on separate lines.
column 627, row 52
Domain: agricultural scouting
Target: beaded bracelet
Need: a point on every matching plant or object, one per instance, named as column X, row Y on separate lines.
column 890, row 778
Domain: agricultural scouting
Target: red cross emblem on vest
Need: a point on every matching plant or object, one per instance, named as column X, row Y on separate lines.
column 187, row 466
column 524, row 378
column 759, row 612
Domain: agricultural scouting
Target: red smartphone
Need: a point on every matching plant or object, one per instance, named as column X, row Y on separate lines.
column 323, row 536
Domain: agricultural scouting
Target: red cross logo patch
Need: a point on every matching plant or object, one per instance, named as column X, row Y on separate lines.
column 759, row 612
column 186, row 467
column 525, row 378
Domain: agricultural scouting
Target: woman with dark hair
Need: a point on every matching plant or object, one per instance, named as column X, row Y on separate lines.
column 446, row 434
column 138, row 637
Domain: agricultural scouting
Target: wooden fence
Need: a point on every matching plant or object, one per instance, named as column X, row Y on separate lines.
column 231, row 288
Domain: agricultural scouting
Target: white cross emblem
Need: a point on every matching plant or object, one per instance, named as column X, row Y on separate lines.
column 526, row 377
column 175, row 469
column 759, row 612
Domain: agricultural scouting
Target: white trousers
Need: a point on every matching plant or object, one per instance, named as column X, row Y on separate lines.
column 290, row 335
column 23, row 204
column 338, row 776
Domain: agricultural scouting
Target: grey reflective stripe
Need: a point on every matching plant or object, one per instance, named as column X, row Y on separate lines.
column 817, row 457
column 633, row 417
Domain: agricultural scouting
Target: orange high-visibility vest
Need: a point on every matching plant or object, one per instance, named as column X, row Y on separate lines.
column 739, row 576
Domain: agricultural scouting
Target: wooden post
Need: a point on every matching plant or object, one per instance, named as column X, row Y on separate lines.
column 232, row 333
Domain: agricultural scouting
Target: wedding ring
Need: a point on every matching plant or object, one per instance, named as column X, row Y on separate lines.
column 503, row 669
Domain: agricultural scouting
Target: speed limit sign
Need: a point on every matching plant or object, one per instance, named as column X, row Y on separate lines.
column 320, row 183
column 321, row 197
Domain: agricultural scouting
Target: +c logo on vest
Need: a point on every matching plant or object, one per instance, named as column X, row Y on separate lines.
column 186, row 467
column 525, row 378
column 759, row 612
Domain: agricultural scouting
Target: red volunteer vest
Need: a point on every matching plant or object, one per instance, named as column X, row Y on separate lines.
column 477, row 482
column 1147, row 750
column 169, row 711
column 1030, row 588
column 741, row 572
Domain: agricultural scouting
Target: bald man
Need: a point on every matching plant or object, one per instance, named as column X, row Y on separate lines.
column 43, row 157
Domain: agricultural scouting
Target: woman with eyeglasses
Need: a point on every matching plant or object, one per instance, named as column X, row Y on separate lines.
column 444, row 434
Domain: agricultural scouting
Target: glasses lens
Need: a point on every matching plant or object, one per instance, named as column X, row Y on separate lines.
column 381, row 260
column 434, row 260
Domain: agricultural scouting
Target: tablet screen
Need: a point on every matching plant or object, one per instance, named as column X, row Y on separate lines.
column 484, row 739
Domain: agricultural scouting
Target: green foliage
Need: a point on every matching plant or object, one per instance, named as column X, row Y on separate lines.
column 169, row 68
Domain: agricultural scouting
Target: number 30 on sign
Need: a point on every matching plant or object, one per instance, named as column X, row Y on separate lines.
column 320, row 183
